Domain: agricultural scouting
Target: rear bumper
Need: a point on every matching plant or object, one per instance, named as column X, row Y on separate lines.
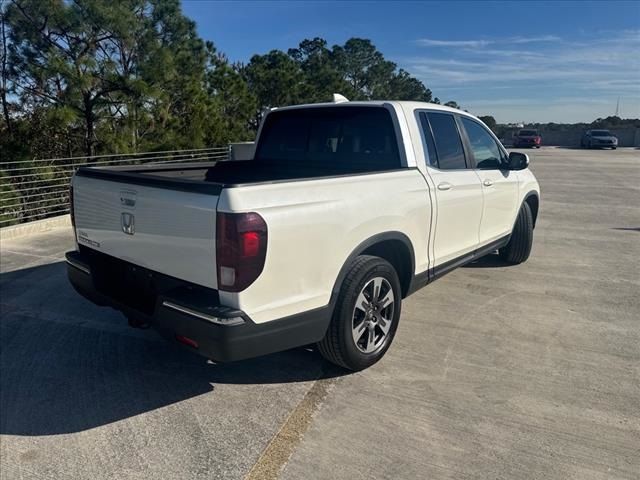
column 215, row 331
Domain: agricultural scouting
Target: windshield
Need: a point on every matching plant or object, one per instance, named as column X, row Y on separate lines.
column 601, row 133
column 330, row 137
column 528, row 133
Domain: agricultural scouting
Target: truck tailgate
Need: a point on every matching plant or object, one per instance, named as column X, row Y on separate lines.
column 170, row 231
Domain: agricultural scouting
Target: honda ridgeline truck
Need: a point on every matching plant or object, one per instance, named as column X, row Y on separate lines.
column 344, row 210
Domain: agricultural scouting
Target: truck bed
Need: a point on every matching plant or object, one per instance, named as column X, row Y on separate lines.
column 211, row 177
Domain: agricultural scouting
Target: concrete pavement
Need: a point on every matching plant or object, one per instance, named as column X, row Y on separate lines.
column 523, row 372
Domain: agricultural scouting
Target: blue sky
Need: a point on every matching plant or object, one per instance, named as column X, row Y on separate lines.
column 519, row 61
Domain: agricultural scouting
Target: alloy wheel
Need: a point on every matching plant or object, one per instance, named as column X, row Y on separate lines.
column 373, row 315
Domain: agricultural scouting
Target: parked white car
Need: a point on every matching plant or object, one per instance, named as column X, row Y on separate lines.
column 599, row 138
column 345, row 209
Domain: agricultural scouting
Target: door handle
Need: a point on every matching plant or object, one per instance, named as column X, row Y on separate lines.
column 487, row 183
column 444, row 186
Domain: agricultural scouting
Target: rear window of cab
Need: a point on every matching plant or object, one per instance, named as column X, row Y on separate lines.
column 336, row 137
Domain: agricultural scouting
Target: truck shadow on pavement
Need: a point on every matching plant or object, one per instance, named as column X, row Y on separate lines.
column 68, row 366
column 492, row 260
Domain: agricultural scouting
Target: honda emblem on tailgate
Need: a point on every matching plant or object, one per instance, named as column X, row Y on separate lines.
column 128, row 223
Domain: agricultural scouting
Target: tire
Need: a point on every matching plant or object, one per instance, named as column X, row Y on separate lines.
column 519, row 246
column 613, row 148
column 342, row 345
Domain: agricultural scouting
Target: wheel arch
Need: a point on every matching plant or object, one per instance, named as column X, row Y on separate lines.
column 394, row 247
column 533, row 200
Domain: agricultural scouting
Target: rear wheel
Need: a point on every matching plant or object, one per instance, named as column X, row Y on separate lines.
column 366, row 315
column 519, row 246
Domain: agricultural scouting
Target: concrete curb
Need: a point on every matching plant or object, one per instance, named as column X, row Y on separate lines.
column 38, row 226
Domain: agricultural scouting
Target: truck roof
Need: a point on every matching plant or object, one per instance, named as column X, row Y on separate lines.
column 406, row 105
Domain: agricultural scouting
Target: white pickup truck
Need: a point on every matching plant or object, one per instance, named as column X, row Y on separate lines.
column 344, row 210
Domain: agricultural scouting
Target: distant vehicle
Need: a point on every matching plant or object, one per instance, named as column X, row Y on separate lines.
column 344, row 210
column 599, row 138
column 527, row 138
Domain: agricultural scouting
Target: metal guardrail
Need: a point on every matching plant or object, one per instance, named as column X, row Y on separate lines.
column 36, row 189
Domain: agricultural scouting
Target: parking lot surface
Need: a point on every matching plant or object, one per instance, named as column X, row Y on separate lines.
column 529, row 371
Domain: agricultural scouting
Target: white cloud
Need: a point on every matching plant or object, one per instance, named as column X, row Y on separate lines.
column 554, row 80
column 427, row 42
column 430, row 42
column 543, row 38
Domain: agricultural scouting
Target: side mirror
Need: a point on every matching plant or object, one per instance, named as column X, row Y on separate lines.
column 518, row 161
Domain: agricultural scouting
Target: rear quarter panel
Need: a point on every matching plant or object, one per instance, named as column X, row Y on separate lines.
column 313, row 227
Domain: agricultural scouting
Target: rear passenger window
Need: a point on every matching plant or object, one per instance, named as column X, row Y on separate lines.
column 447, row 141
column 428, row 136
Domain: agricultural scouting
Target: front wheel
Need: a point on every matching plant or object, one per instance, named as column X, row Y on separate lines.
column 366, row 315
column 519, row 246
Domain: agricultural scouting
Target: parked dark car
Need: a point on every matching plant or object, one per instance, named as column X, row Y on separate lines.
column 527, row 138
column 599, row 138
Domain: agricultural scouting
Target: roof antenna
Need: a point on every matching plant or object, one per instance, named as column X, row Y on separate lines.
column 337, row 98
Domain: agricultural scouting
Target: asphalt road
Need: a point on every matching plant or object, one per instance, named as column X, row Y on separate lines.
column 530, row 371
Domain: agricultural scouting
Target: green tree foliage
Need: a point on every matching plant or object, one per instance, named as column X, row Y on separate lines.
column 610, row 122
column 363, row 67
column 490, row 122
column 615, row 122
column 313, row 72
column 7, row 197
column 134, row 65
column 320, row 77
column 275, row 79
column 66, row 55
column 104, row 76
column 231, row 104
column 402, row 86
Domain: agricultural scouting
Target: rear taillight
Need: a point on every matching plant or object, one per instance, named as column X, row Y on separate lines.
column 241, row 249
column 190, row 342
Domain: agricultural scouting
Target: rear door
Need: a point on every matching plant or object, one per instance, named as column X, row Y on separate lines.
column 166, row 230
column 499, row 185
column 458, row 191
